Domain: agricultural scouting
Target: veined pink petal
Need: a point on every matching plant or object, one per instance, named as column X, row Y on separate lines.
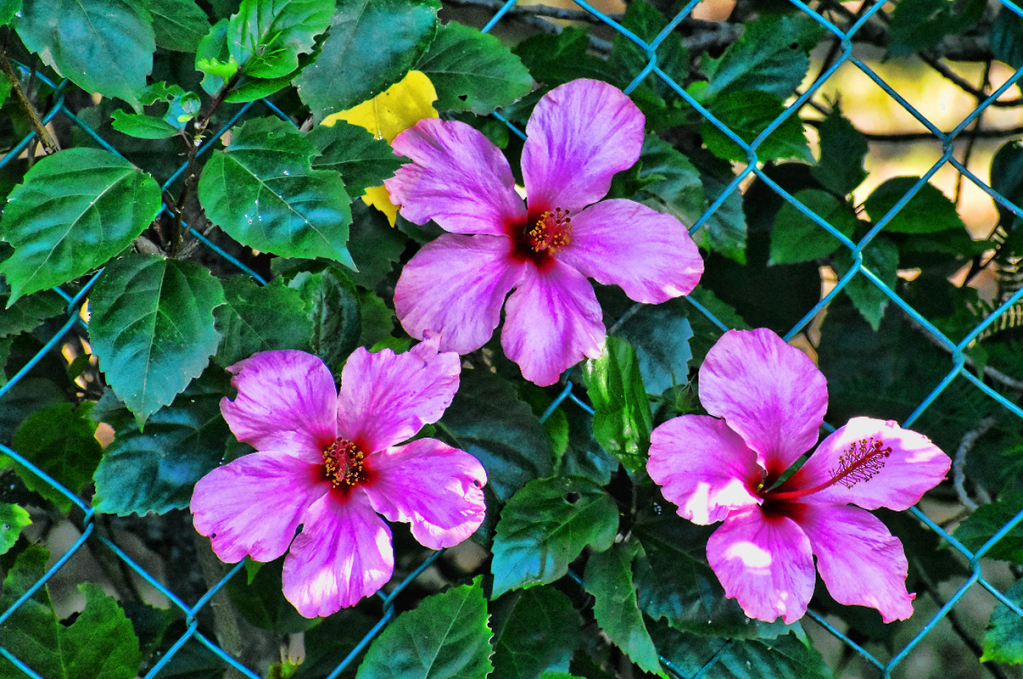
column 579, row 136
column 703, row 467
column 343, row 554
column 649, row 254
column 286, row 403
column 454, row 287
column 436, row 488
column 859, row 560
column 386, row 397
column 457, row 178
column 765, row 562
column 232, row 504
column 769, row 392
column 552, row 322
column 898, row 480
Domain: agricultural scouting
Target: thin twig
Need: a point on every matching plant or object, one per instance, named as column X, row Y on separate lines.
column 933, row 61
column 47, row 140
column 909, row 137
column 959, row 464
column 987, row 371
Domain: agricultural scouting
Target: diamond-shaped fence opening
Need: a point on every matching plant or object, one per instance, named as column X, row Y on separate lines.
column 960, row 377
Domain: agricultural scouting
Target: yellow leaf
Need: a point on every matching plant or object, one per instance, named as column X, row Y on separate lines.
column 386, row 116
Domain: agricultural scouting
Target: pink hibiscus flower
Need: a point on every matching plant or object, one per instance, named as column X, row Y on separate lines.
column 579, row 136
column 772, row 400
column 328, row 461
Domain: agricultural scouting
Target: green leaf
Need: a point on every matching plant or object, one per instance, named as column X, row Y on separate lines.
column 155, row 471
column 375, row 246
column 771, row 56
column 987, row 520
column 918, row 25
column 926, row 212
column 362, row 159
column 61, row 441
column 747, row 114
column 1007, row 179
column 100, row 644
column 545, row 526
column 262, row 602
column 265, row 37
column 881, row 258
column 378, row 39
column 725, row 230
column 5, row 91
column 796, row 238
column 179, row 25
column 489, row 422
column 660, row 335
column 8, row 10
column 29, row 312
column 537, row 630
column 622, row 421
column 1003, row 641
column 264, row 193
column 446, row 636
column 333, row 309
column 473, row 71
column 75, row 210
column 152, row 328
column 674, row 184
column 142, row 126
column 843, row 148
column 12, row 519
column 103, row 46
column 609, row 579
column 1006, row 38
column 556, row 59
column 256, row 318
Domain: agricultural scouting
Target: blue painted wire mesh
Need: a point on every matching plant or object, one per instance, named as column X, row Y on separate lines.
column 958, row 368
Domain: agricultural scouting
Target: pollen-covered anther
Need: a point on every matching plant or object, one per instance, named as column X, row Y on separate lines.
column 552, row 232
column 343, row 462
column 860, row 462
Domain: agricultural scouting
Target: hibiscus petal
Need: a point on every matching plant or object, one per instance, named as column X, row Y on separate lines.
column 454, row 287
column 286, row 403
column 457, row 178
column 913, row 466
column 859, row 560
column 436, row 488
column 579, row 136
column 703, row 467
column 552, row 322
column 386, row 397
column 765, row 563
column 231, row 505
column 769, row 392
column 649, row 254
column 343, row 554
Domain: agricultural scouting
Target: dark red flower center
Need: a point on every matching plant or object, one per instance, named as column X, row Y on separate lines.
column 861, row 461
column 344, row 464
column 544, row 234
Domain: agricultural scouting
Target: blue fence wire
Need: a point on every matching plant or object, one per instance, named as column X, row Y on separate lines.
column 959, row 370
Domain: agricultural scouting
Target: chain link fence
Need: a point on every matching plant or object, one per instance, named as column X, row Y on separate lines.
column 958, row 363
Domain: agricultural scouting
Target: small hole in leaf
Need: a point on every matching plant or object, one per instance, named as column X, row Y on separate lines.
column 463, row 97
column 572, row 498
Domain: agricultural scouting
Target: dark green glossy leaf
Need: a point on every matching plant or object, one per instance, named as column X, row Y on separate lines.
column 375, row 246
column 445, row 637
column 152, row 328
column 142, row 126
column 918, row 25
column 8, row 9
column 584, row 456
column 725, row 230
column 332, row 304
column 362, row 159
column 12, row 519
column 264, row 193
column 103, row 46
column 609, row 579
column 75, row 210
column 771, row 56
column 545, row 526
column 1007, row 38
column 622, row 421
column 61, row 441
column 1007, row 180
column 927, row 211
column 747, row 114
column 28, row 312
column 881, row 258
column 99, row 644
column 155, row 471
column 674, row 182
column 331, row 640
column 473, row 71
column 536, row 630
column 378, row 39
column 556, row 59
column 660, row 335
column 265, row 37
column 987, row 520
column 843, row 148
column 796, row 238
column 262, row 602
column 256, row 318
column 1004, row 639
column 488, row 421
column 179, row 25
column 377, row 319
